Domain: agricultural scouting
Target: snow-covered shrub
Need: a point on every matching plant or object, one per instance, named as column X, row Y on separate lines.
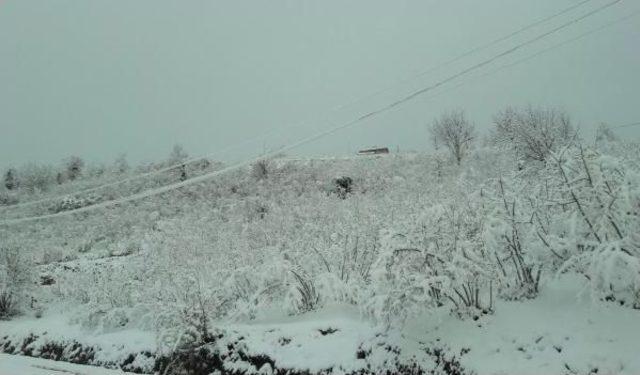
column 302, row 293
column 73, row 167
column 53, row 254
column 96, row 170
column 437, row 258
column 509, row 235
column 8, row 304
column 402, row 284
column 185, row 320
column 16, row 281
column 36, row 178
column 261, row 169
column 7, row 198
column 341, row 261
column 247, row 293
column 450, row 235
column 342, row 186
column 11, row 179
column 73, row 203
column 595, row 228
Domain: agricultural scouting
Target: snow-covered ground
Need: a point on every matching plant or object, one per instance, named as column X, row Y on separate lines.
column 559, row 332
column 556, row 333
column 20, row 365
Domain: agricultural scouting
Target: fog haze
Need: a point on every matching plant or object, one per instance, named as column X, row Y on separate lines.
column 100, row 78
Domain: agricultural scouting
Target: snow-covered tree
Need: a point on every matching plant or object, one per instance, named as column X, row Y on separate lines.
column 74, row 166
column 532, row 133
column 36, row 178
column 455, row 132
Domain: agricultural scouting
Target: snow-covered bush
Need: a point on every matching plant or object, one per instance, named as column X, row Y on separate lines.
column 437, row 258
column 402, row 284
column 183, row 318
column 73, row 167
column 509, row 237
column 35, row 178
column 16, row 281
column 342, row 186
column 260, row 169
column 10, row 180
column 303, row 296
column 7, row 198
column 73, row 203
column 596, row 221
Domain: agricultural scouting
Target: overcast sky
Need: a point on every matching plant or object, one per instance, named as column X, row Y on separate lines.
column 98, row 78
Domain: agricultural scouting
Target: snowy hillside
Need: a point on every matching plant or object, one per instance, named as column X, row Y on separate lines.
column 388, row 264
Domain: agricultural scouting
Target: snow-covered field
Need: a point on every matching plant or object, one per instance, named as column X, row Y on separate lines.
column 19, row 365
column 404, row 263
column 557, row 333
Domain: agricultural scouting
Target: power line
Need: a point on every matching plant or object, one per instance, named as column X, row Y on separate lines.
column 519, row 31
column 488, row 61
column 581, row 36
column 553, row 47
column 475, row 49
column 626, row 126
column 194, row 180
column 334, row 109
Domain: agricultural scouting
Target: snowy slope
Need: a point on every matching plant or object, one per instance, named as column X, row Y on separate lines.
column 284, row 265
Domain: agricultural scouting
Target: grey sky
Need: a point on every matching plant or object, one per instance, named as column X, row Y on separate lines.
column 101, row 77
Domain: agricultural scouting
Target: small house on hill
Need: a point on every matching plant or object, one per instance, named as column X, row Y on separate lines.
column 374, row 151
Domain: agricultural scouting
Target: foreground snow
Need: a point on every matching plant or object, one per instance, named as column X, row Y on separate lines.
column 19, row 365
column 559, row 332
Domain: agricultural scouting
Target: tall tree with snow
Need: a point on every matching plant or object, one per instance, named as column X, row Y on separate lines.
column 455, row 132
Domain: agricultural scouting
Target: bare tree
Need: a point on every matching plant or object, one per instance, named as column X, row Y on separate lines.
column 533, row 133
column 453, row 131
